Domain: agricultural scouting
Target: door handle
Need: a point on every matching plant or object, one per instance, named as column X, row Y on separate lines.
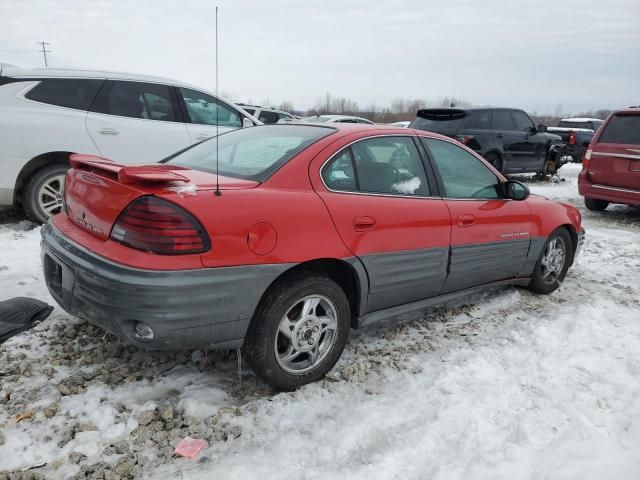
column 202, row 137
column 108, row 131
column 499, row 135
column 361, row 224
column 466, row 220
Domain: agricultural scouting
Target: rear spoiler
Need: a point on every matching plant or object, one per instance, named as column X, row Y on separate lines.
column 156, row 173
column 442, row 114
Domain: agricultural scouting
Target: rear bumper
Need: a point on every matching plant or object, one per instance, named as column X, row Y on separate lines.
column 609, row 193
column 204, row 308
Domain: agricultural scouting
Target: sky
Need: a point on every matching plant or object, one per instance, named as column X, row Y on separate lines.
column 546, row 56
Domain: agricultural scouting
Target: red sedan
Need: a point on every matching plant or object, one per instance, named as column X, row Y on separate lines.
column 281, row 238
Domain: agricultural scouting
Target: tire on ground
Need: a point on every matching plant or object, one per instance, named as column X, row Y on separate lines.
column 595, row 204
column 539, row 282
column 31, row 198
column 260, row 342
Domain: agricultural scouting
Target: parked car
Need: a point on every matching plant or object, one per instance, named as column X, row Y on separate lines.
column 506, row 137
column 46, row 114
column 337, row 119
column 576, row 133
column 268, row 115
column 611, row 166
column 314, row 229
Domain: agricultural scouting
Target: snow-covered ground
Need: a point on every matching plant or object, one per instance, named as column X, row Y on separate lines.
column 507, row 385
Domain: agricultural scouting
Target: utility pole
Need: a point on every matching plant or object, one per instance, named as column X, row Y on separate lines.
column 44, row 51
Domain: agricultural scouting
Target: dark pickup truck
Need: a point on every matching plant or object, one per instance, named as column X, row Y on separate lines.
column 506, row 137
column 576, row 133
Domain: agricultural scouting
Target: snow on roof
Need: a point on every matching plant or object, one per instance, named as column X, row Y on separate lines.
column 581, row 119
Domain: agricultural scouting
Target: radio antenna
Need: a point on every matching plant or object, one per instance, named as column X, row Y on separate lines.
column 217, row 192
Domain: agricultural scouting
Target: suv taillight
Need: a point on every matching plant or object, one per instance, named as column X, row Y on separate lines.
column 587, row 158
column 154, row 225
column 572, row 138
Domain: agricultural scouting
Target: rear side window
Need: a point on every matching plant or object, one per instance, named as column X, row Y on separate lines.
column 250, row 111
column 388, row 165
column 268, row 117
column 138, row 100
column 66, row 92
column 478, row 120
column 622, row 129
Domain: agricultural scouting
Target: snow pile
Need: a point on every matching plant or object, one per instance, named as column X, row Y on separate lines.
column 507, row 385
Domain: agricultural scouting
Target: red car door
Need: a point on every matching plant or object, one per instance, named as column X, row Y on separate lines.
column 380, row 198
column 490, row 235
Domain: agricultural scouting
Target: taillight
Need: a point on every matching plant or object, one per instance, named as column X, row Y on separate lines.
column 464, row 139
column 587, row 159
column 154, row 225
column 572, row 138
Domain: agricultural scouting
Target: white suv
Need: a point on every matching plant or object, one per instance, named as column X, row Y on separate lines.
column 268, row 115
column 45, row 115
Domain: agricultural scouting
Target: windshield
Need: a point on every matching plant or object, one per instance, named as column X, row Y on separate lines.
column 250, row 153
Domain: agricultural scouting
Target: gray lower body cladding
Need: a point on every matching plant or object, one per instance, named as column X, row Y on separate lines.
column 204, row 308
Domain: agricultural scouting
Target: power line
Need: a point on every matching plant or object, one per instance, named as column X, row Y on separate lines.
column 44, row 51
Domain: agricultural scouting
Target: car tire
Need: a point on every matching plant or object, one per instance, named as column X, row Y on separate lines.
column 495, row 160
column 43, row 194
column 595, row 204
column 315, row 312
column 553, row 263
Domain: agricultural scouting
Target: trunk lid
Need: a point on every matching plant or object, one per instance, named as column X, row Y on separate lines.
column 615, row 156
column 97, row 190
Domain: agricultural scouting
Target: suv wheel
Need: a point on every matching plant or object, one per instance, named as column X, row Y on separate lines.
column 595, row 204
column 43, row 194
column 553, row 263
column 298, row 331
column 495, row 160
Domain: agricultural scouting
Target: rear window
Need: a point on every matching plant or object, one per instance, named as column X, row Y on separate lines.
column 446, row 122
column 250, row 153
column 65, row 92
column 622, row 129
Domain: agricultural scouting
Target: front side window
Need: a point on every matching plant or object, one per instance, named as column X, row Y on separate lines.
column 250, row 153
column 66, row 92
column 523, row 122
column 384, row 165
column 623, row 129
column 204, row 109
column 501, row 120
column 138, row 100
column 463, row 175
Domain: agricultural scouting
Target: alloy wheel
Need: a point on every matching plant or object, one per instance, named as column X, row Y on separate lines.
column 553, row 260
column 50, row 196
column 306, row 334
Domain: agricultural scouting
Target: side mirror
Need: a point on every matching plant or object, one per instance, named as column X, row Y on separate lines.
column 542, row 128
column 246, row 122
column 515, row 190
